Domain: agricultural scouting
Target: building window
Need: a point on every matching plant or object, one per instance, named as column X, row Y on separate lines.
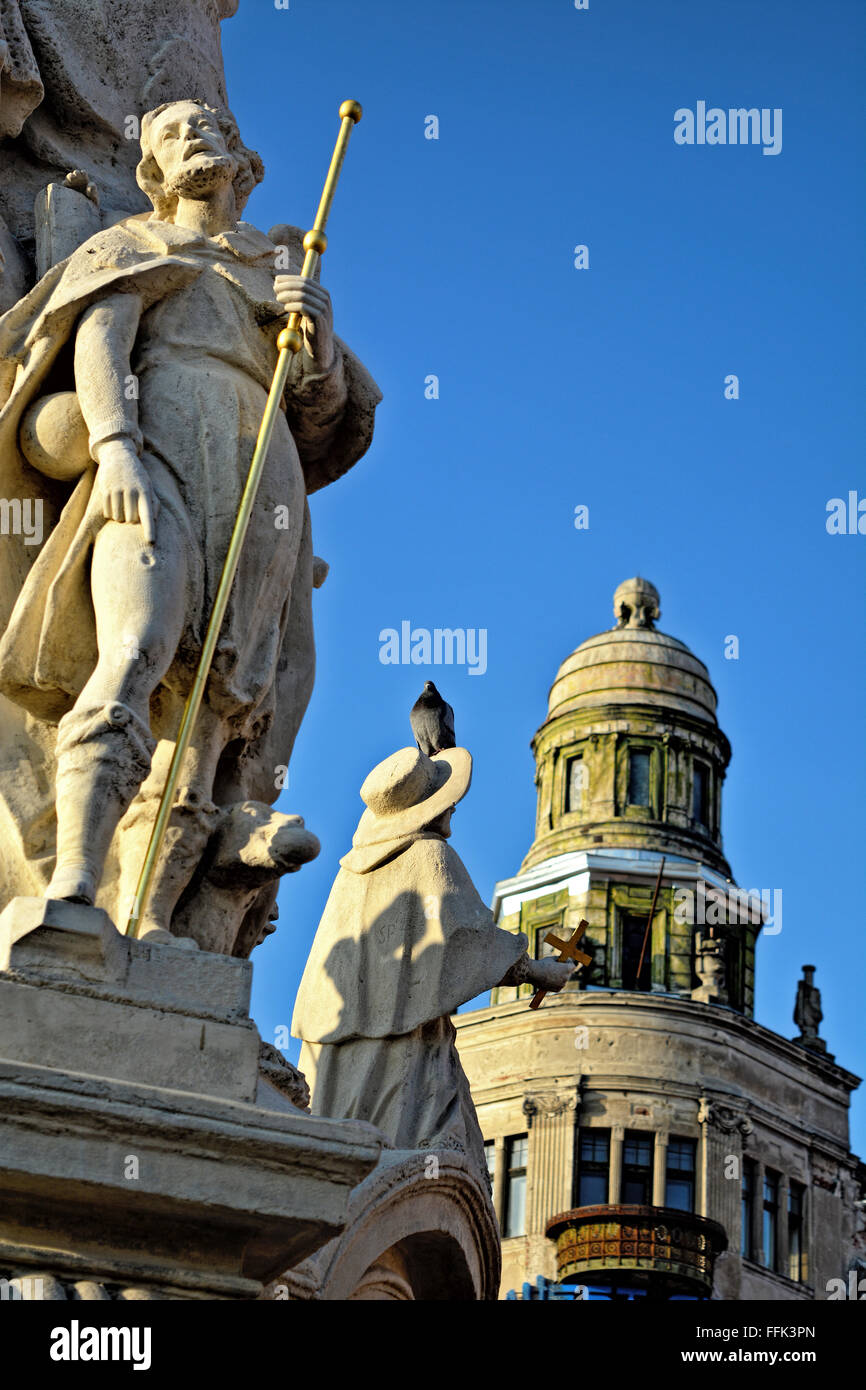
column 593, row 1167
column 633, row 933
column 701, row 793
column 747, row 1205
column 637, row 1169
column 576, row 779
column 796, row 1253
column 516, row 1150
column 490, row 1155
column 543, row 947
column 680, row 1176
column 639, row 777
column 770, row 1228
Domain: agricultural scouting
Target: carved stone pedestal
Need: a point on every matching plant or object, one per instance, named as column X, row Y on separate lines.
column 143, row 1154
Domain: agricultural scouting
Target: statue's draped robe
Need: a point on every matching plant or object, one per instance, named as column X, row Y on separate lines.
column 403, row 941
column 204, row 356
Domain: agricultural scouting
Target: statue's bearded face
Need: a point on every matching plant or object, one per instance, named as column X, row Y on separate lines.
column 191, row 151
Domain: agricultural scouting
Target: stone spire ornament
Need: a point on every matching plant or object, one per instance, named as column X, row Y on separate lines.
column 636, row 603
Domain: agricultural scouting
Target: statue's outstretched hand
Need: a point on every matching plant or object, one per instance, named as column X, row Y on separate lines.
column 309, row 299
column 550, row 974
column 123, row 481
column 547, row 974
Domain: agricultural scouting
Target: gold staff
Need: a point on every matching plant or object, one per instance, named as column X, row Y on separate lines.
column 289, row 342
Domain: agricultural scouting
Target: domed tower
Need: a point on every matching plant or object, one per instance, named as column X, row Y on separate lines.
column 630, row 763
column 631, row 753
column 646, row 1136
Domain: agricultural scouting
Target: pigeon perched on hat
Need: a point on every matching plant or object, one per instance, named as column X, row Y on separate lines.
column 432, row 720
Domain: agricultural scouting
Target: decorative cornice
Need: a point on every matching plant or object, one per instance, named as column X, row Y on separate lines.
column 720, row 1017
column 825, row 1176
column 725, row 1118
column 549, row 1104
column 602, row 864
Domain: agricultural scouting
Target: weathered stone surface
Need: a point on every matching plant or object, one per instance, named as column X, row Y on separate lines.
column 144, row 1151
column 77, row 995
column 285, row 1078
column 65, row 217
column 420, row 1228
column 75, row 80
column 61, row 941
column 125, row 1184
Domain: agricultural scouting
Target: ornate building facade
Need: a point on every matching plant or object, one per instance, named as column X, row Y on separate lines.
column 646, row 1136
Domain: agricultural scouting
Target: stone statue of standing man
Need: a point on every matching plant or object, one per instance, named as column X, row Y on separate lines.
column 164, row 327
column 807, row 1011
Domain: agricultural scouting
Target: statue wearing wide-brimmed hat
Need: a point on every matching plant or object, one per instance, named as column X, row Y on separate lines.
column 403, row 941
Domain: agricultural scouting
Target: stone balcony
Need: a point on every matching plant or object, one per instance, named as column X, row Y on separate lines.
column 666, row 1252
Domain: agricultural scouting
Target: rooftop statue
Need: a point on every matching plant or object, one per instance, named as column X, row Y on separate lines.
column 135, row 376
column 807, row 1011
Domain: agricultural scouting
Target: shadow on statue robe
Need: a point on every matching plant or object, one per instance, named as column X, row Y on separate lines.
column 389, row 965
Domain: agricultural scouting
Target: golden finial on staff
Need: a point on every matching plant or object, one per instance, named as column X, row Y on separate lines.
column 289, row 342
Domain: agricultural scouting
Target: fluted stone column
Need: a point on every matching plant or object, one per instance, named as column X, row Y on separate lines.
column 782, row 1248
column 758, row 1215
column 499, row 1179
column 660, row 1169
column 617, row 1136
column 723, row 1128
column 552, row 1117
column 702, row 1175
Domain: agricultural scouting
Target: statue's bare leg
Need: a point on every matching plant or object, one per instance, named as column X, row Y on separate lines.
column 104, row 744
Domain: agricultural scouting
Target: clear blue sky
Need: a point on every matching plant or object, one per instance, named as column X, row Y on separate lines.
column 602, row 387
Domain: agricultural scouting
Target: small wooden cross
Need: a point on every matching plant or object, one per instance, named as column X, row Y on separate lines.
column 569, row 950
